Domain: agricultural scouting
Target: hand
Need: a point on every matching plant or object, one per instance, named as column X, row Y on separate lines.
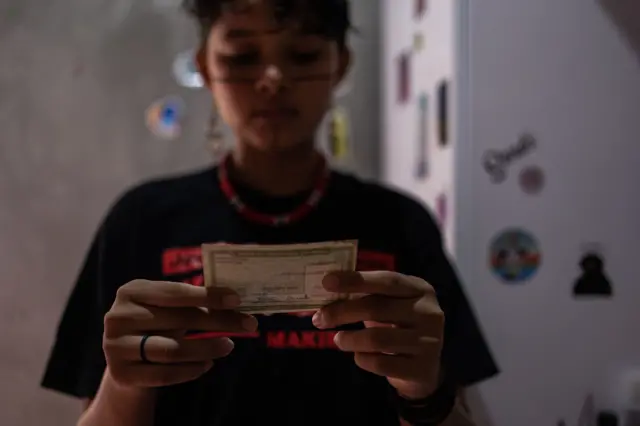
column 165, row 311
column 404, row 327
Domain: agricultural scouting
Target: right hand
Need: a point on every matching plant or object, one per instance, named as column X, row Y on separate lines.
column 165, row 311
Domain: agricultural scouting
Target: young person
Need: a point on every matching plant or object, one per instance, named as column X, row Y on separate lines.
column 395, row 356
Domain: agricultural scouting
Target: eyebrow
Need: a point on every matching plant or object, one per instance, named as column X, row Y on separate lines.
column 236, row 33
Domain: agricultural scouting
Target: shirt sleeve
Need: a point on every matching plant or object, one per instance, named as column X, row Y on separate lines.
column 76, row 362
column 466, row 356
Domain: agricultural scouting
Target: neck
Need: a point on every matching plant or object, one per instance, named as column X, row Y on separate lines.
column 278, row 173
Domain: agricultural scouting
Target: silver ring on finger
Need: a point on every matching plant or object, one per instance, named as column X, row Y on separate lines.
column 143, row 353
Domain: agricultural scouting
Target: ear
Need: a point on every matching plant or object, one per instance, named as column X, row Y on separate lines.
column 344, row 65
column 201, row 63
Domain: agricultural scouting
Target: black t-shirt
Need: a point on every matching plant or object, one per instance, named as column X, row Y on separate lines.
column 290, row 372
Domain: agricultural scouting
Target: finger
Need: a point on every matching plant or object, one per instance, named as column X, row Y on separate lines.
column 154, row 376
column 369, row 308
column 393, row 366
column 178, row 295
column 385, row 340
column 131, row 318
column 379, row 282
column 168, row 350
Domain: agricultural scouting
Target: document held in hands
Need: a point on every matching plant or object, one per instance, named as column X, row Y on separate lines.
column 278, row 278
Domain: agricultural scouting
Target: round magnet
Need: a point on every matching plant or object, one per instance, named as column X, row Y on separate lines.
column 186, row 72
column 514, row 256
column 532, row 180
column 164, row 117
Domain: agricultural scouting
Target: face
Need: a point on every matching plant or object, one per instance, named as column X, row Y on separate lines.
column 271, row 84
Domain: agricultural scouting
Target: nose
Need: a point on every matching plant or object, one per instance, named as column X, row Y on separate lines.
column 271, row 82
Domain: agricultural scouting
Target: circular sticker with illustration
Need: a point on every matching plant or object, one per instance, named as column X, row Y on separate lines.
column 514, row 256
column 186, row 72
column 532, row 180
column 164, row 117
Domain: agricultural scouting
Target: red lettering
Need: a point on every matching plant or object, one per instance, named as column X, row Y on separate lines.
column 301, row 339
column 276, row 339
column 198, row 280
column 328, row 340
column 308, row 339
column 293, row 340
column 181, row 260
column 376, row 261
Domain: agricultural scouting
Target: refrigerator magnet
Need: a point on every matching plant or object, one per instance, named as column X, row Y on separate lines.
column 163, row 117
column 514, row 256
column 419, row 8
column 422, row 160
column 532, row 180
column 442, row 210
column 443, row 113
column 593, row 280
column 404, row 77
column 186, row 72
column 418, row 42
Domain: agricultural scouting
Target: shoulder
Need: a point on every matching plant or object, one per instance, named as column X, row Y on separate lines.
column 158, row 194
column 385, row 202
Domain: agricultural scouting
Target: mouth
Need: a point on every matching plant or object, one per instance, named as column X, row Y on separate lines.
column 275, row 114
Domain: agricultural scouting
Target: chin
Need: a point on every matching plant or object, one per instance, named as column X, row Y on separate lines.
column 281, row 144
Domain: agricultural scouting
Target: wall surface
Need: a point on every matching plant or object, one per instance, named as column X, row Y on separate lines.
column 430, row 63
column 566, row 72
column 624, row 14
column 563, row 71
column 75, row 80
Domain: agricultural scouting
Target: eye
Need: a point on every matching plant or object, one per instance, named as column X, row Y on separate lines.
column 305, row 58
column 239, row 59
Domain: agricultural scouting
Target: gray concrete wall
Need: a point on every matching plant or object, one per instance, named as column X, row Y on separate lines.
column 75, row 80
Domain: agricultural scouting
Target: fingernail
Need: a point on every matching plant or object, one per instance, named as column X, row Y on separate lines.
column 318, row 320
column 336, row 338
column 250, row 324
column 231, row 301
column 227, row 344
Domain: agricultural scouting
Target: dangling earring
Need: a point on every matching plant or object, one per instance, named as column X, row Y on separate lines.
column 338, row 133
column 215, row 136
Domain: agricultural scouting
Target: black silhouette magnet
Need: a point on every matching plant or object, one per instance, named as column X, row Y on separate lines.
column 593, row 280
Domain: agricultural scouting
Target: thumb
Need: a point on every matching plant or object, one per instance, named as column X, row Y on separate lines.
column 373, row 324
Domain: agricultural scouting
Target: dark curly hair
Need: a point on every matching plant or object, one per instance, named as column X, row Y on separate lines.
column 328, row 18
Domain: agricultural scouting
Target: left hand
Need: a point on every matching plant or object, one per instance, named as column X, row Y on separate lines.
column 404, row 327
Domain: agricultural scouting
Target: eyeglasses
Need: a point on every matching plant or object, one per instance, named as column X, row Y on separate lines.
column 252, row 73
